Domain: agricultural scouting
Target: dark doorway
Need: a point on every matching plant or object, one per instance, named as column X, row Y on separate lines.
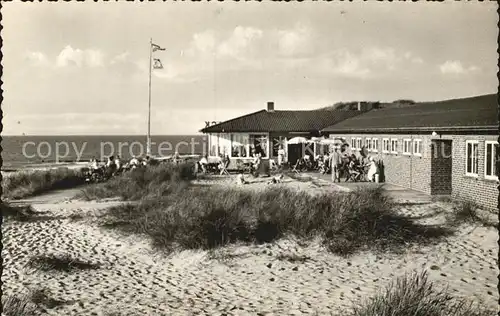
column 294, row 153
column 441, row 167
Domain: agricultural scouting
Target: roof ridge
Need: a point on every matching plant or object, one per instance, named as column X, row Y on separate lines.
column 233, row 119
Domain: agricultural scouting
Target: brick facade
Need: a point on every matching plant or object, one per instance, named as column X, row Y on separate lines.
column 440, row 169
column 477, row 189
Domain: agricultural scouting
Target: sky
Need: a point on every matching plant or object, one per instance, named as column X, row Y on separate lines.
column 82, row 68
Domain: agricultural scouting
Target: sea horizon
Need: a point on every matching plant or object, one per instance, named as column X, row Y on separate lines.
column 19, row 151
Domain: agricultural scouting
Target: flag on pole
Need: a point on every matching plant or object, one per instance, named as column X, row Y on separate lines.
column 156, row 47
column 157, row 64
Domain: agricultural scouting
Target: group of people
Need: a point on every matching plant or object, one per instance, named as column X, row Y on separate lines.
column 114, row 165
column 218, row 164
column 342, row 160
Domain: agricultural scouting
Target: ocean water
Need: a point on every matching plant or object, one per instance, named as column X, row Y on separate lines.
column 19, row 151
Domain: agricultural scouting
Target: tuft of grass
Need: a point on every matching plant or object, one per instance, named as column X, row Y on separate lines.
column 293, row 258
column 21, row 305
column 414, row 295
column 465, row 211
column 43, row 298
column 59, row 263
column 469, row 212
column 212, row 217
column 29, row 183
column 140, row 183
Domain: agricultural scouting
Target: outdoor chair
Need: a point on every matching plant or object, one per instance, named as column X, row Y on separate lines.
column 224, row 166
column 353, row 174
column 297, row 167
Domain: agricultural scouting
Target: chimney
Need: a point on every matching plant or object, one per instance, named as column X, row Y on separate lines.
column 270, row 106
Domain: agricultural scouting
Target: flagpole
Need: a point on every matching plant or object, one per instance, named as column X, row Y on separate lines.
column 148, row 149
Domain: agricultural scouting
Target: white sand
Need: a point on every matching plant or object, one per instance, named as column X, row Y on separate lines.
column 236, row 280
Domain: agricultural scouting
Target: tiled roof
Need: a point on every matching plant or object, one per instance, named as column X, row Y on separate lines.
column 282, row 121
column 475, row 113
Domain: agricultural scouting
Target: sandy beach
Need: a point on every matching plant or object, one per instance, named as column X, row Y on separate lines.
column 287, row 277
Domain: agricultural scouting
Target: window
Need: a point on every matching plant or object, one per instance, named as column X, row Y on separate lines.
column 279, row 141
column 417, row 147
column 214, row 145
column 386, row 147
column 353, row 143
column 239, row 145
column 375, row 144
column 258, row 144
column 471, row 149
column 394, row 146
column 406, row 146
column 490, row 160
column 358, row 143
column 368, row 143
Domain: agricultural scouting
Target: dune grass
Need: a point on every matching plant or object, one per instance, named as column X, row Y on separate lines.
column 28, row 183
column 64, row 263
column 142, row 183
column 195, row 218
column 20, row 305
column 414, row 295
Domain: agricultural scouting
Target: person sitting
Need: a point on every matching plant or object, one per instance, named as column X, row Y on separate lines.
column 240, row 179
column 256, row 161
column 134, row 162
column 110, row 166
column 176, row 157
column 118, row 163
column 354, row 167
column 203, row 163
column 94, row 164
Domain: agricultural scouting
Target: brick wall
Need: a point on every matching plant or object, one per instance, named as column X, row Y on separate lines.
column 408, row 171
column 477, row 189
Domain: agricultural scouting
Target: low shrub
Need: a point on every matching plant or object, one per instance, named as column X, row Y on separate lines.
column 212, row 217
column 28, row 183
column 20, row 305
column 414, row 295
column 59, row 263
column 150, row 182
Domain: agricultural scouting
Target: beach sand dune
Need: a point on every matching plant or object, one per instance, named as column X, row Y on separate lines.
column 289, row 276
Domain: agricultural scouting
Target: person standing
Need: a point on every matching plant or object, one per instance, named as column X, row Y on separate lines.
column 335, row 163
column 281, row 156
column 372, row 170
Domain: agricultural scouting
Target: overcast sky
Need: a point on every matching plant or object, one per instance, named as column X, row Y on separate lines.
column 82, row 68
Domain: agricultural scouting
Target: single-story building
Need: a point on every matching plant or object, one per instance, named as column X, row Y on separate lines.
column 266, row 130
column 440, row 148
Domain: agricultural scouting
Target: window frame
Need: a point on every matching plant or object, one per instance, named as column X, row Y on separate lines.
column 420, row 142
column 386, row 141
column 368, row 143
column 353, row 143
column 397, row 143
column 359, row 145
column 471, row 174
column 407, row 151
column 375, row 144
column 493, row 176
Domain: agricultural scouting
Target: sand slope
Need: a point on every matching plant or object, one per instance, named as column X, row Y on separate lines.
column 238, row 280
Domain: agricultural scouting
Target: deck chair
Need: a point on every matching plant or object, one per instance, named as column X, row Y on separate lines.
column 353, row 174
column 224, row 165
column 296, row 167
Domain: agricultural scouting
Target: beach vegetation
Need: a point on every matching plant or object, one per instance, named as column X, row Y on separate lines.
column 413, row 294
column 65, row 263
column 191, row 217
column 24, row 184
